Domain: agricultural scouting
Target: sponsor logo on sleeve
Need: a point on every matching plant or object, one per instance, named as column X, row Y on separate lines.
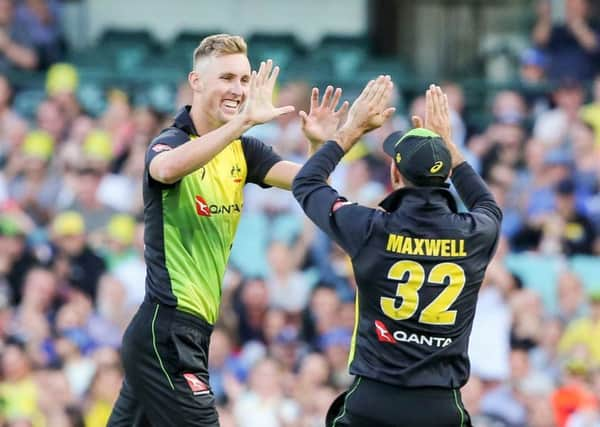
column 161, row 147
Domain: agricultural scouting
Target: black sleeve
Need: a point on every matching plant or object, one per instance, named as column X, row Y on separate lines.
column 260, row 158
column 477, row 197
column 167, row 140
column 350, row 224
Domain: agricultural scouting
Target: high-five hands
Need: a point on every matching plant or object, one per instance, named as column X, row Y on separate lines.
column 323, row 120
column 259, row 107
column 437, row 119
column 369, row 111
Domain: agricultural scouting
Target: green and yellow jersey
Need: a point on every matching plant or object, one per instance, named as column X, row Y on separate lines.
column 190, row 225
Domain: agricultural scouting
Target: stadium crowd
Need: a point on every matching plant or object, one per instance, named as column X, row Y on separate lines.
column 71, row 250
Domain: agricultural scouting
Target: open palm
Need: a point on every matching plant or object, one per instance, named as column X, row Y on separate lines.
column 259, row 106
column 322, row 121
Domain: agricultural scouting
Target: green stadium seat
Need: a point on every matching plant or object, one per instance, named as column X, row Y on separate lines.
column 122, row 37
column 538, row 273
column 159, row 95
column 394, row 66
column 26, row 102
column 92, row 97
column 312, row 70
column 347, row 52
column 188, row 40
column 588, row 268
column 281, row 48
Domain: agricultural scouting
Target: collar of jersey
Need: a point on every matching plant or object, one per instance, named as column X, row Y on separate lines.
column 439, row 196
column 183, row 121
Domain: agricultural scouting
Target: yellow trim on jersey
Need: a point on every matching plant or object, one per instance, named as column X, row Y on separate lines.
column 355, row 332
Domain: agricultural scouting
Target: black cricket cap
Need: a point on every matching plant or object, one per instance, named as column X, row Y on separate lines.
column 420, row 155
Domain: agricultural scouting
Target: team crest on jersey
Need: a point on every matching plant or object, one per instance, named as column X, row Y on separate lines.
column 236, row 173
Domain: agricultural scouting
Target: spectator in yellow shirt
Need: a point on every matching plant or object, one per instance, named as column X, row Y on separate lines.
column 583, row 335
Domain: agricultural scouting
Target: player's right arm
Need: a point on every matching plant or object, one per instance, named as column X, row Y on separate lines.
column 470, row 187
column 171, row 165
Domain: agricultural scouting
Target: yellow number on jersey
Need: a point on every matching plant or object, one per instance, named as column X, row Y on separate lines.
column 437, row 312
column 412, row 276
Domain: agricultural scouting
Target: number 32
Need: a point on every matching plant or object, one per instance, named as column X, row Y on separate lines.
column 436, row 313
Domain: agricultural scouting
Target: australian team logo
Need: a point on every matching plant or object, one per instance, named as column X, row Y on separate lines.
column 204, row 208
column 236, row 173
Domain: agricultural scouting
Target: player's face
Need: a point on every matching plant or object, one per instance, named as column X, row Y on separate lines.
column 223, row 86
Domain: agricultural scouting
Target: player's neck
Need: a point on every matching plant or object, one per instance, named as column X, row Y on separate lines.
column 202, row 121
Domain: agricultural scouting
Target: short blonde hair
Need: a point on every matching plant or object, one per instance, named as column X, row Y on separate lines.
column 219, row 44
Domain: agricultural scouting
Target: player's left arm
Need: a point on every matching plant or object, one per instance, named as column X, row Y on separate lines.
column 348, row 224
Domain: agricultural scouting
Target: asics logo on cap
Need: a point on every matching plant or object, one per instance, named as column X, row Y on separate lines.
column 436, row 166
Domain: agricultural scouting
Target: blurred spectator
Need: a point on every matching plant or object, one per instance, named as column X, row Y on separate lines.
column 571, row 45
column 16, row 44
column 492, row 313
column 90, row 200
column 130, row 270
column 62, row 82
column 288, row 287
column 19, row 391
column 265, row 400
column 545, row 356
column 590, row 113
column 574, row 394
column 251, row 307
column 103, row 393
column 569, row 228
column 41, row 18
column 16, row 259
column 572, row 302
column 582, row 336
column 335, row 344
column 36, row 188
column 73, row 260
column 533, row 67
column 12, row 126
column 51, row 118
column 552, row 127
column 456, row 101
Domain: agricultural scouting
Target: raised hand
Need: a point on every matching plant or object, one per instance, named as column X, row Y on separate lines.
column 259, row 107
column 371, row 109
column 437, row 112
column 322, row 120
column 437, row 119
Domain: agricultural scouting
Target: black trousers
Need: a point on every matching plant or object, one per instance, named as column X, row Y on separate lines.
column 370, row 403
column 165, row 354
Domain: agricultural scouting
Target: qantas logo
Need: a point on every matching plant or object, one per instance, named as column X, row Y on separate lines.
column 196, row 385
column 384, row 335
column 203, row 208
column 161, row 147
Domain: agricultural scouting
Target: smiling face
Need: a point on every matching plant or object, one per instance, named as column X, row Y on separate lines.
column 220, row 86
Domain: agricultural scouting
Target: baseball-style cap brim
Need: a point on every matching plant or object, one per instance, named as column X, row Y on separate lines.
column 390, row 142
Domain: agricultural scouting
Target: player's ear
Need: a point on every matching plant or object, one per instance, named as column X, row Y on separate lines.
column 395, row 177
column 195, row 81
